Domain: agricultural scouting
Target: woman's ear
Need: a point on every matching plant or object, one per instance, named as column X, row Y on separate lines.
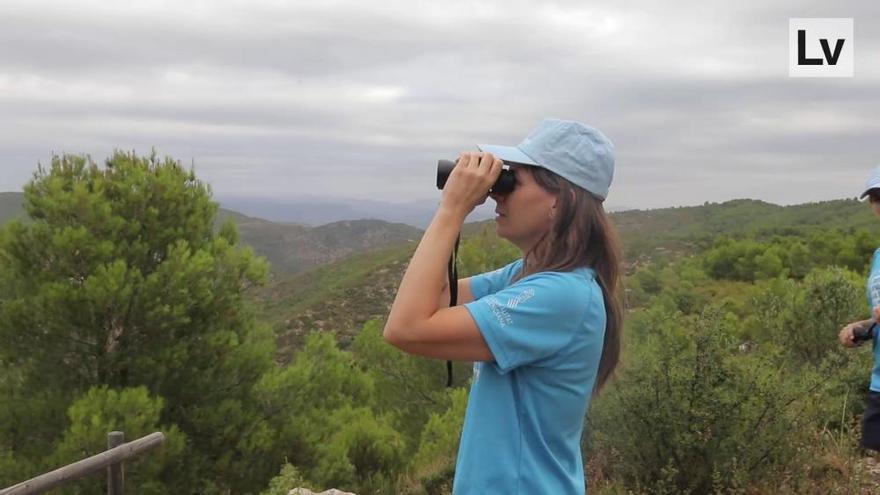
column 555, row 207
column 556, row 199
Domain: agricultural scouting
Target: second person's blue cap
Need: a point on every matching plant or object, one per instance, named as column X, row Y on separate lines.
column 873, row 182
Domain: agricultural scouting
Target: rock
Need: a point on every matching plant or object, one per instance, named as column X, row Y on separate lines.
column 306, row 491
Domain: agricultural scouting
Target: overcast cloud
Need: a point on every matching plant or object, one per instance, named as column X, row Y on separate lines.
column 360, row 98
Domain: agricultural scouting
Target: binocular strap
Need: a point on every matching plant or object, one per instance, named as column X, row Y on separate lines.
column 453, row 295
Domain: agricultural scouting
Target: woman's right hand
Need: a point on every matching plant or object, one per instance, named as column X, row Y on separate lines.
column 846, row 335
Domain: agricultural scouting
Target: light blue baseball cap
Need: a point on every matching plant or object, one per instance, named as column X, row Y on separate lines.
column 579, row 153
column 873, row 182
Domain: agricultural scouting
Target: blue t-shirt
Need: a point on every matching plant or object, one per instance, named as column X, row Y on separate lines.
column 526, row 410
column 874, row 301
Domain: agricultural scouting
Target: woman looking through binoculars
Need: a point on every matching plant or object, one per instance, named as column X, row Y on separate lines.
column 544, row 331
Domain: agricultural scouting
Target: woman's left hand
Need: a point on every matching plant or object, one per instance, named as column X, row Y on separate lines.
column 470, row 180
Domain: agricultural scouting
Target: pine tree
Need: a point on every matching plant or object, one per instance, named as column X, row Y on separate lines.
column 121, row 278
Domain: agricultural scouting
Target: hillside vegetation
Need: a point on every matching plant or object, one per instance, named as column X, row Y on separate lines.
column 129, row 301
column 342, row 296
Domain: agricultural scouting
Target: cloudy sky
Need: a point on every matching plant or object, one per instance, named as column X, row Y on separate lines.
column 359, row 98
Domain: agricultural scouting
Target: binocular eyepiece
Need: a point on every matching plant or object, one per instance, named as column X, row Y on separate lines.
column 505, row 183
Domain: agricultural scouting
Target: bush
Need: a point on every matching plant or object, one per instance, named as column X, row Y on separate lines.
column 692, row 413
column 288, row 479
column 136, row 414
column 804, row 318
column 435, row 461
column 365, row 454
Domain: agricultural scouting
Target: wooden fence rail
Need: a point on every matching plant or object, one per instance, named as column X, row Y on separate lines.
column 110, row 459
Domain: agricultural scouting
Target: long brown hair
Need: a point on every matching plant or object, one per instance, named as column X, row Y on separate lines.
column 582, row 235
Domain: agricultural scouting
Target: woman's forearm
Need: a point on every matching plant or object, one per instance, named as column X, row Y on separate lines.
column 864, row 323
column 425, row 277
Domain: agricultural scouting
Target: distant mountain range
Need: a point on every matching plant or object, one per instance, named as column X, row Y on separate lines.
column 289, row 247
column 319, row 211
column 294, row 247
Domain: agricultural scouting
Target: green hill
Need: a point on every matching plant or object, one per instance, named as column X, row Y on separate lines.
column 290, row 248
column 684, row 229
column 680, row 230
column 341, row 296
column 337, row 297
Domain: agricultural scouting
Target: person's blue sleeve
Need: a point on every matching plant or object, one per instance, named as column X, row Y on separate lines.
column 532, row 319
column 491, row 282
column 873, row 286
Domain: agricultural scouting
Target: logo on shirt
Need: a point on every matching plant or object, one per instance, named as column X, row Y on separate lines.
column 502, row 315
column 525, row 295
column 499, row 311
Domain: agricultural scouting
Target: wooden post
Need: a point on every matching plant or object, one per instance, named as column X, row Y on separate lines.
column 97, row 463
column 115, row 474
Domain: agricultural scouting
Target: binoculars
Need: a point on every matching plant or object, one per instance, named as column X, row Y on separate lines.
column 504, row 185
column 863, row 334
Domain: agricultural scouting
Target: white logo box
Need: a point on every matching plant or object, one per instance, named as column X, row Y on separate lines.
column 807, row 57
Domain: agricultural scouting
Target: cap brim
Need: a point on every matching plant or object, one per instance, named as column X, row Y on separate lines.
column 507, row 153
column 868, row 191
